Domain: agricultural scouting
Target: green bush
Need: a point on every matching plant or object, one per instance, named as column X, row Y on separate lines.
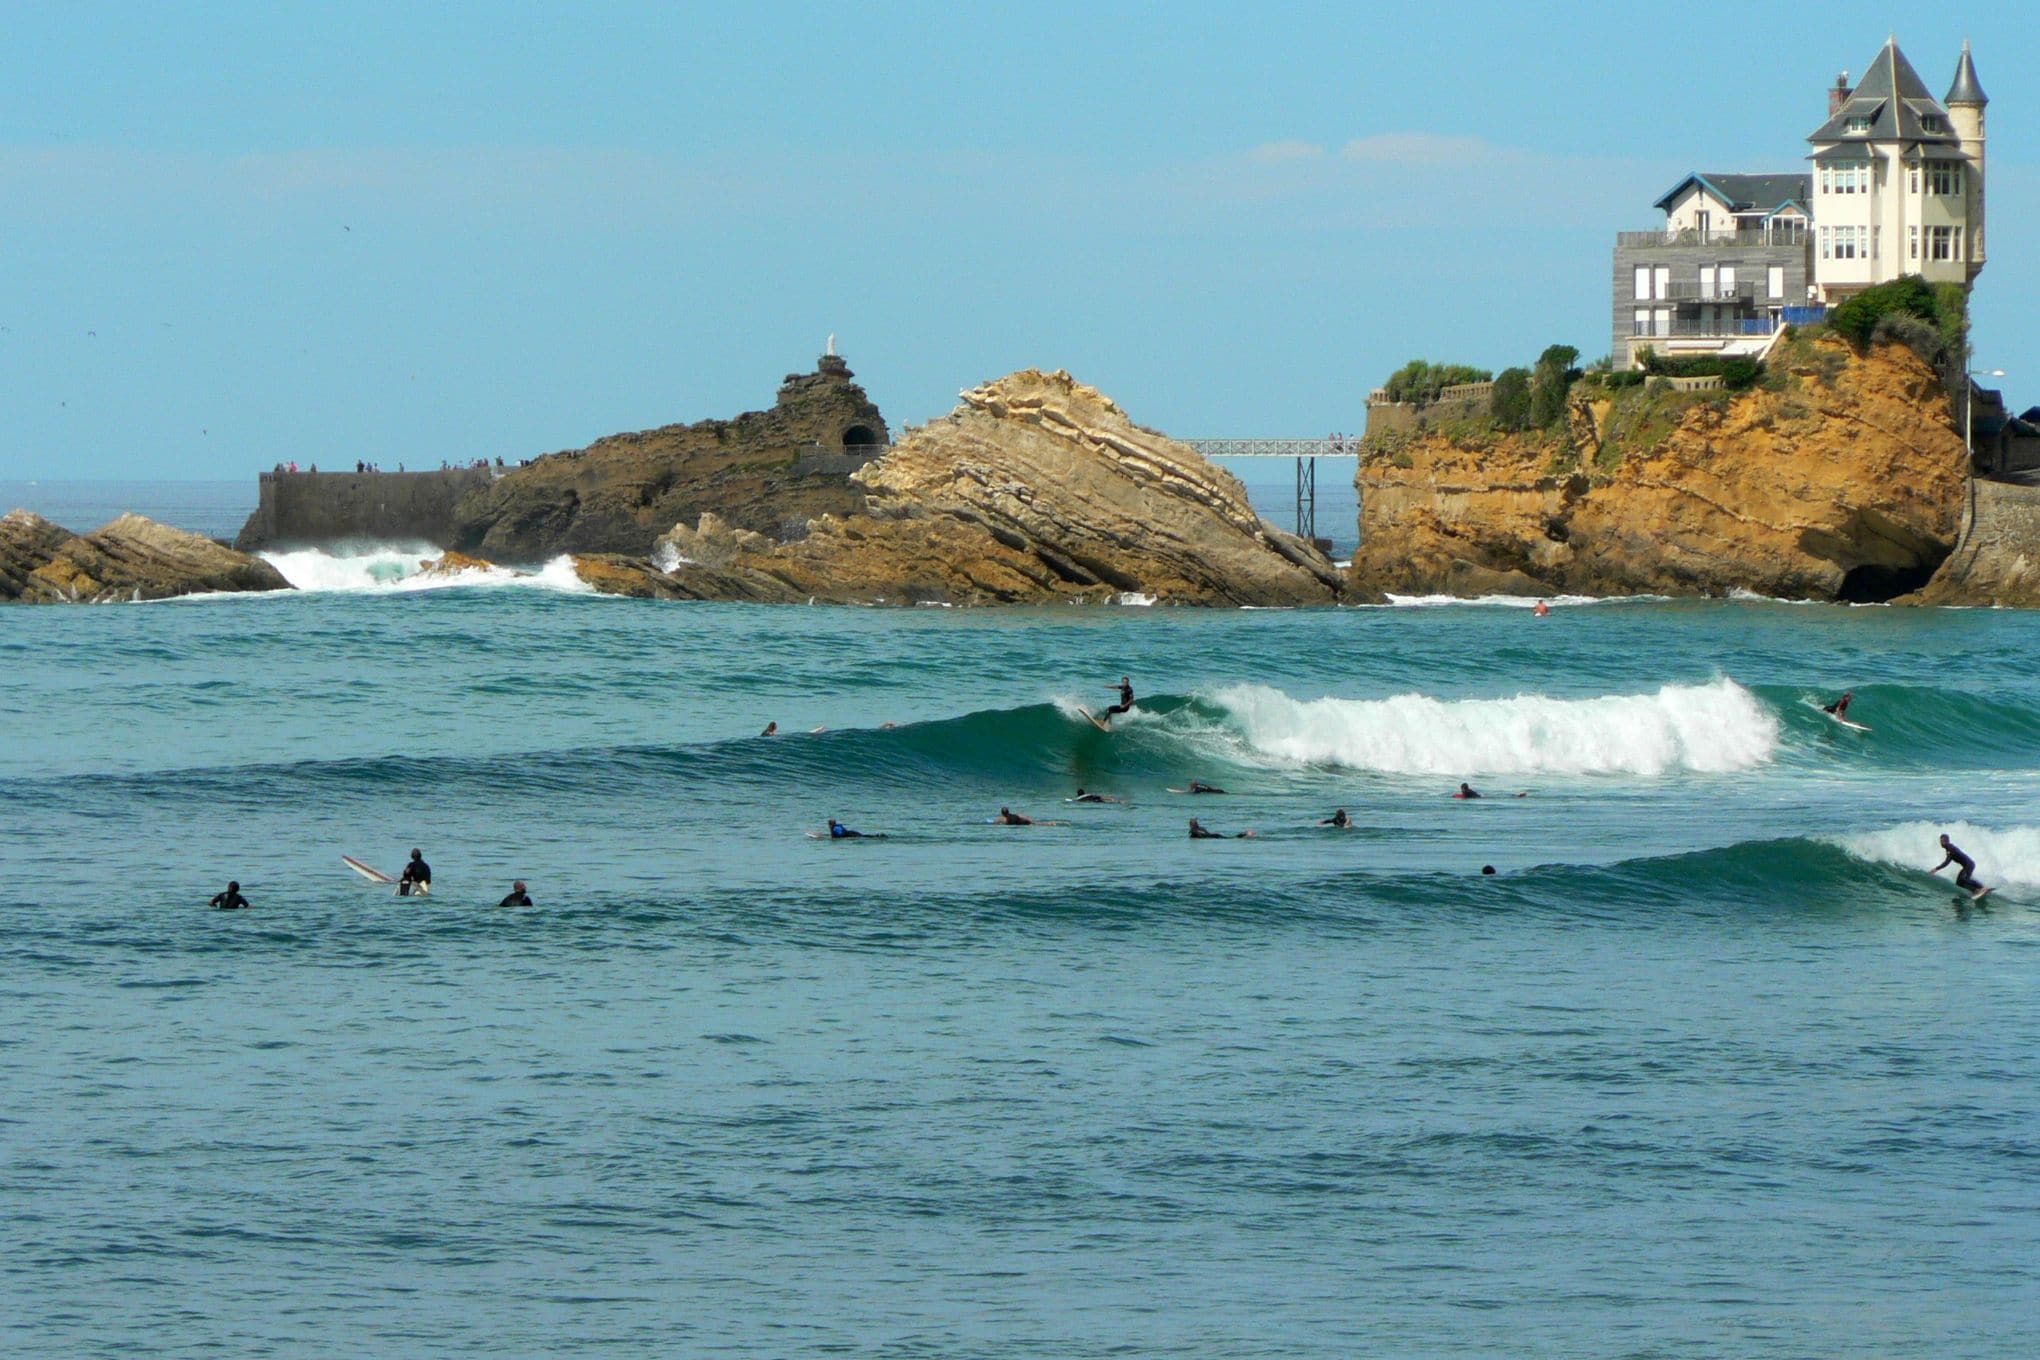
column 1510, row 404
column 1627, row 377
column 1943, row 306
column 1420, row 380
column 1550, row 380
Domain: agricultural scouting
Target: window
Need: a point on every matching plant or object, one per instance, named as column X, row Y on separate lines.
column 1940, row 243
column 1727, row 281
column 1640, row 321
column 1912, row 180
column 1944, row 180
column 1642, row 281
column 1706, row 280
column 1930, row 122
column 1661, row 320
column 1844, row 243
column 1912, row 243
column 1858, row 125
column 1700, row 221
column 1775, row 281
column 1661, row 281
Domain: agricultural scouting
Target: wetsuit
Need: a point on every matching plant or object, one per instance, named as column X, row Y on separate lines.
column 1125, row 700
column 516, row 899
column 229, row 900
column 1013, row 819
column 1965, row 869
column 1204, row 833
column 417, row 875
column 1465, row 792
column 1338, row 818
column 838, row 831
column 1083, row 797
column 1197, row 786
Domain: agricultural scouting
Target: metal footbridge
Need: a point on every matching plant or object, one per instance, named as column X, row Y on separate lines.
column 1306, row 452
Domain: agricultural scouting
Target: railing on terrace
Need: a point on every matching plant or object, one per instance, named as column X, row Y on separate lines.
column 1695, row 292
column 1770, row 236
column 1723, row 329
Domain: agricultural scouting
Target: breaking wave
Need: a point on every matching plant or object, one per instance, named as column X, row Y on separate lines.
column 392, row 568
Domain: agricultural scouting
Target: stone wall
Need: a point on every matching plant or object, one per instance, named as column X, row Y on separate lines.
column 304, row 508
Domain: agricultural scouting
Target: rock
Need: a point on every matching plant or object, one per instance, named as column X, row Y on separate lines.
column 1849, row 486
column 138, row 559
column 1998, row 560
column 452, row 564
column 711, row 543
column 27, row 541
column 768, row 472
column 1039, row 488
column 639, row 578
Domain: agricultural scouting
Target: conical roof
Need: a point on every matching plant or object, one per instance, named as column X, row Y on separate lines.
column 1965, row 90
column 1888, row 105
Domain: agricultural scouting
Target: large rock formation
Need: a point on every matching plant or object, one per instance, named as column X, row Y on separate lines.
column 1846, row 485
column 1039, row 488
column 1998, row 560
column 130, row 559
column 766, row 471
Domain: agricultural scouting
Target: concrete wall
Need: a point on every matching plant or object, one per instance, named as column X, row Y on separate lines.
column 310, row 508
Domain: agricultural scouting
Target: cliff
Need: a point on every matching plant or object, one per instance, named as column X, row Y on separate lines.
column 1036, row 488
column 1841, row 479
column 768, row 471
column 130, row 559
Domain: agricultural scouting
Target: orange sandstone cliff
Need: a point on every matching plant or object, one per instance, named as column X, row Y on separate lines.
column 1843, row 479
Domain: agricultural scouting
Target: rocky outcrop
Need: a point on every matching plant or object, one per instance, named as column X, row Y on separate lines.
column 1998, row 559
column 638, row 578
column 765, row 471
column 1847, row 484
column 453, row 564
column 1038, row 488
column 27, row 541
column 130, row 559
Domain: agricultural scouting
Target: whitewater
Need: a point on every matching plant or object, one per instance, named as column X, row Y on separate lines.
column 1709, row 1064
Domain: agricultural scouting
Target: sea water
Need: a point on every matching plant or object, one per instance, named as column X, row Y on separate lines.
column 1709, row 1066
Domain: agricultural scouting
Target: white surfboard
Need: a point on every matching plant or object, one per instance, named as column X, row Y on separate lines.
column 369, row 872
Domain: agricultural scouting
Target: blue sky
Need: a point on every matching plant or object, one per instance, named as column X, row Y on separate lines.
column 236, row 234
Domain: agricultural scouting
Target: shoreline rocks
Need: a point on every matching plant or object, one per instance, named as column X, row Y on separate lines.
column 131, row 558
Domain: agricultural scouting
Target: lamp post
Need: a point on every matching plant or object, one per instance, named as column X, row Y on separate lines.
column 1969, row 408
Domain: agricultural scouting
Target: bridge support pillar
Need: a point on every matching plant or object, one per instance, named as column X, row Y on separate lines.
column 1306, row 499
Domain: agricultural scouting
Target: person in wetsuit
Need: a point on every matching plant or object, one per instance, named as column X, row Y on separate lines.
column 516, row 897
column 1338, row 819
column 416, row 880
column 1840, row 707
column 1200, row 832
column 1466, row 791
column 231, row 899
column 771, row 729
column 840, row 832
column 1965, row 867
column 1084, row 797
column 1199, row 786
column 1125, row 704
column 1008, row 817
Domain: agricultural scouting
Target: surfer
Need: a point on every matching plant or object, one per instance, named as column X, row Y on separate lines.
column 1338, row 819
column 516, row 897
column 1008, row 817
column 1466, row 791
column 1086, row 797
column 1965, row 867
column 1199, row 786
column 1840, row 707
column 231, row 899
column 771, row 729
column 840, row 832
column 1200, row 832
column 416, row 880
column 1542, row 609
column 1125, row 704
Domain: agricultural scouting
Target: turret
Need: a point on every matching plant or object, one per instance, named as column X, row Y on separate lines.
column 1965, row 103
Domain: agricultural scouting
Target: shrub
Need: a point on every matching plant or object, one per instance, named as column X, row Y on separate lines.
column 1856, row 318
column 1628, row 377
column 1549, row 382
column 1510, row 404
column 1419, row 380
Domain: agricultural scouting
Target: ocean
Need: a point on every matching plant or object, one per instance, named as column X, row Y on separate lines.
column 1709, row 1066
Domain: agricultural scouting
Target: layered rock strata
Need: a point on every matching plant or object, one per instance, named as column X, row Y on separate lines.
column 130, row 559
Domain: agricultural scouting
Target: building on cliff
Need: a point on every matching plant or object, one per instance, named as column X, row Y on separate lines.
column 1896, row 188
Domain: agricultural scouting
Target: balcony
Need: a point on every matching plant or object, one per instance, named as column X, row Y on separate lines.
column 1784, row 234
column 1735, row 293
column 1702, row 328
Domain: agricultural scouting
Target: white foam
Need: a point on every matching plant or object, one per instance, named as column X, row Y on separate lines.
column 393, row 568
column 1713, row 728
column 1516, row 601
column 1134, row 599
column 2008, row 856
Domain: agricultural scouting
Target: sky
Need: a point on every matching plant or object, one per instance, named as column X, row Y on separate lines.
column 232, row 235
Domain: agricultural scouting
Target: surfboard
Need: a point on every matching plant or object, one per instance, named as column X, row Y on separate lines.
column 368, row 872
column 1853, row 726
column 1836, row 718
column 1095, row 722
column 863, row 836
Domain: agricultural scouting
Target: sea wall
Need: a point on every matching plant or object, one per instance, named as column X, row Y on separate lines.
column 1997, row 561
column 325, row 507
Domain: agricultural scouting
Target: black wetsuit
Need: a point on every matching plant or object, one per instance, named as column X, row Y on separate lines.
column 838, row 831
column 1336, row 819
column 1204, row 833
column 1125, row 701
column 1197, row 787
column 1088, row 798
column 516, row 899
column 1965, row 869
column 229, row 901
column 417, row 874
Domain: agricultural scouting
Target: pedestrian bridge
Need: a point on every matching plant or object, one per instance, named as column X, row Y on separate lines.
column 1306, row 452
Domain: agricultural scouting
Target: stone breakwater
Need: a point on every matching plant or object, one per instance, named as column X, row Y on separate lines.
column 130, row 559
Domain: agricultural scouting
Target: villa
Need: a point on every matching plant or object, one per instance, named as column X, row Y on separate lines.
column 1896, row 187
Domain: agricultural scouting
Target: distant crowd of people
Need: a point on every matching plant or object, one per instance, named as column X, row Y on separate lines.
column 365, row 466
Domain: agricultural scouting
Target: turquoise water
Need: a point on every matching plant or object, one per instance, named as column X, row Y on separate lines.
column 1709, row 1067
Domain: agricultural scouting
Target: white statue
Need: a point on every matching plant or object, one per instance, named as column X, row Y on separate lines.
column 830, row 352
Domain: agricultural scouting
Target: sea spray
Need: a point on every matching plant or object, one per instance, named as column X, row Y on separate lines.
column 390, row 568
column 2007, row 856
column 1713, row 728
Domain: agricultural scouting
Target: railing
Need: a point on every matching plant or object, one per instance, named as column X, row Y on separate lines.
column 1346, row 446
column 1724, row 329
column 1768, row 236
column 1695, row 292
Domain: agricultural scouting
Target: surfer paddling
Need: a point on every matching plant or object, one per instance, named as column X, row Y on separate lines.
column 1965, row 868
column 231, row 899
column 1008, row 817
column 416, row 880
column 1338, row 819
column 1466, row 791
column 516, row 897
column 1084, row 796
column 1200, row 832
column 840, row 832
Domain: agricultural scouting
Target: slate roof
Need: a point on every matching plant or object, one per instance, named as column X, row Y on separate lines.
column 1893, row 99
column 1747, row 193
column 1965, row 90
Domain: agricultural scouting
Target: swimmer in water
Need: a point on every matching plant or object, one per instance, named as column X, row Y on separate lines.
column 231, row 899
column 1542, row 609
column 1965, row 868
column 771, row 730
column 516, row 897
column 1466, row 791
column 1338, row 819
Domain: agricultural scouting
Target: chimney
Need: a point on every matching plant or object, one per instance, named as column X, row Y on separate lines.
column 1839, row 95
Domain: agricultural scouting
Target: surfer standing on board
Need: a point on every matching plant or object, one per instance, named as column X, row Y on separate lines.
column 417, row 877
column 231, row 899
column 1125, row 704
column 1965, row 867
column 1840, row 708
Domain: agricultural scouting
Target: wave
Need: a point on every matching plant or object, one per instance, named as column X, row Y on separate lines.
column 1514, row 601
column 398, row 568
column 2009, row 856
column 1712, row 729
